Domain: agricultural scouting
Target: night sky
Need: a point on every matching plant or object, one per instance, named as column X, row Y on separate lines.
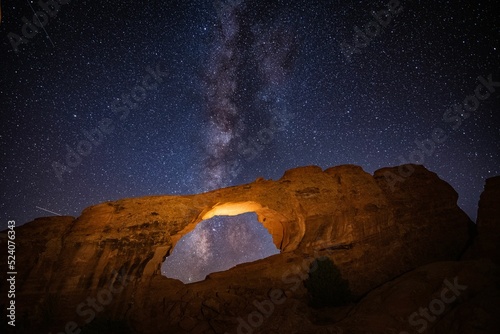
column 114, row 99
column 201, row 252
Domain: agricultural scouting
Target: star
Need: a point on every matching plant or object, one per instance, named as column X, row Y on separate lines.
column 184, row 97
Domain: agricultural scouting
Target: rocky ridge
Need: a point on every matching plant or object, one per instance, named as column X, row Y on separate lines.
column 394, row 243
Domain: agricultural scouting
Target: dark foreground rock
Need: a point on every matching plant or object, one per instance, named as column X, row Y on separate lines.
column 486, row 245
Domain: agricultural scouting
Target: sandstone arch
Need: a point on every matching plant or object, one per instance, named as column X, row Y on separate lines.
column 276, row 223
column 272, row 220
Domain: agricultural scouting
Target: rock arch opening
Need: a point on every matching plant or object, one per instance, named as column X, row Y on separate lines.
column 225, row 236
column 271, row 220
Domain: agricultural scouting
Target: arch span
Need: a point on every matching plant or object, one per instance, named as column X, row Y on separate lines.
column 287, row 232
column 273, row 221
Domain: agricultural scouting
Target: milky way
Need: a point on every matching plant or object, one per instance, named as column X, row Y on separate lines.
column 234, row 105
column 201, row 252
column 224, row 124
column 248, row 89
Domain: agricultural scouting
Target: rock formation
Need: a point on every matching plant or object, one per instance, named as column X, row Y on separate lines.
column 103, row 268
column 488, row 224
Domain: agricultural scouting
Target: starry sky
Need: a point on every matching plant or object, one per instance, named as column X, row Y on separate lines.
column 110, row 99
column 200, row 252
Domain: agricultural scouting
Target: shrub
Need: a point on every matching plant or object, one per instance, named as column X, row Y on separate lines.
column 325, row 284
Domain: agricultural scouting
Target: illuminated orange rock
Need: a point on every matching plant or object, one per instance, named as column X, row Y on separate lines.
column 371, row 232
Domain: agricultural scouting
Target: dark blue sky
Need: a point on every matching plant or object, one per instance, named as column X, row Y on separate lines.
column 200, row 253
column 240, row 89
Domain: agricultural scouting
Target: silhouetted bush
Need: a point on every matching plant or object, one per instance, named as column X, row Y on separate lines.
column 325, row 284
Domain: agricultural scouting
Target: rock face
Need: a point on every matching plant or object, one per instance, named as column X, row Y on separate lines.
column 488, row 218
column 488, row 223
column 442, row 297
column 103, row 268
